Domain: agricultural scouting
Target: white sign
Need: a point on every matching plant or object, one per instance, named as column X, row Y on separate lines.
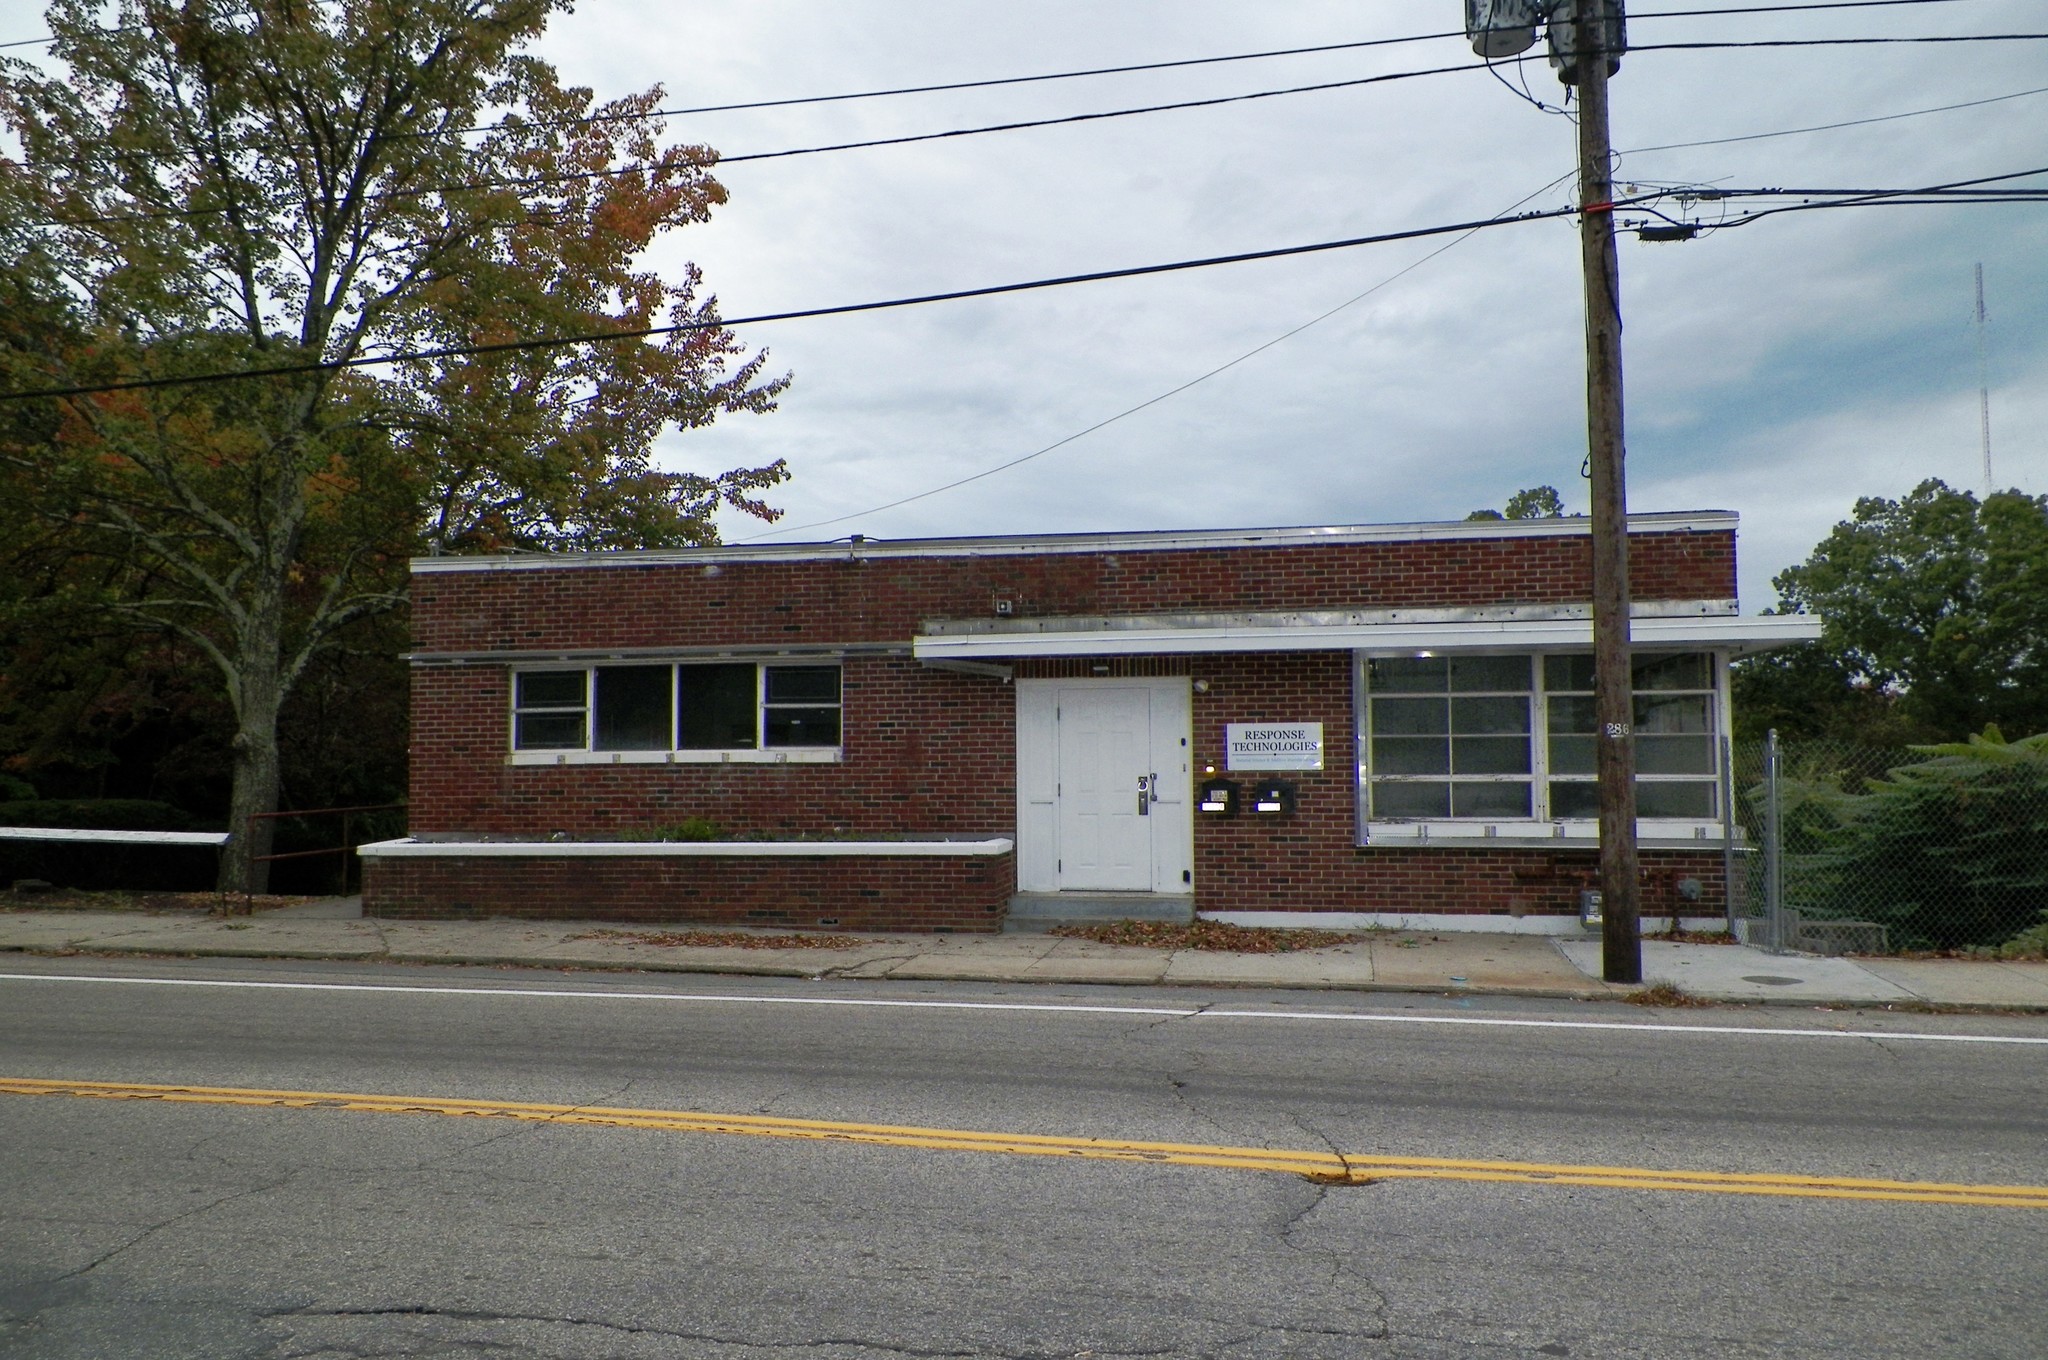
column 1273, row 746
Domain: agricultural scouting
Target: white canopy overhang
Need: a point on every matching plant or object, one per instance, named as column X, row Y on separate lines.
column 1139, row 636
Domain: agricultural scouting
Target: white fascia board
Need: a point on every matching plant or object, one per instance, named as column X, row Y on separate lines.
column 1025, row 545
column 1733, row 635
column 412, row 849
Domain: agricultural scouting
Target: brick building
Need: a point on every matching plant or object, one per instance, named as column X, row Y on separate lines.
column 1350, row 725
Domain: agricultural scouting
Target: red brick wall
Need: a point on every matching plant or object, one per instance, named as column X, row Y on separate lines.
column 1310, row 861
column 938, row 892
column 928, row 752
column 933, row 752
column 879, row 599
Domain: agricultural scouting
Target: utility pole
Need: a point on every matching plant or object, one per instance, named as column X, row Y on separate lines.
column 1984, row 387
column 1586, row 37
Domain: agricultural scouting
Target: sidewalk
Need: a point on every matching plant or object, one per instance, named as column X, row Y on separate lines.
column 1391, row 961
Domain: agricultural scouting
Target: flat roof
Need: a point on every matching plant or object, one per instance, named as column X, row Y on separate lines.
column 1017, row 545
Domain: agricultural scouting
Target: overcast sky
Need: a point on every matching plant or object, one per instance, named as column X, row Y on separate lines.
column 1779, row 369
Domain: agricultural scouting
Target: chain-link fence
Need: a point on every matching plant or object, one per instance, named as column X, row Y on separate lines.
column 1866, row 849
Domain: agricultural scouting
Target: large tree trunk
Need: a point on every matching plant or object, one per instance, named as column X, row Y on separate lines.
column 258, row 687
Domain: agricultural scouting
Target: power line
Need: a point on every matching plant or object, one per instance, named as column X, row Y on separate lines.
column 1736, row 45
column 1858, row 197
column 1785, row 9
column 1132, row 68
column 1830, row 127
column 1163, row 396
column 1954, row 193
column 533, row 181
column 646, row 332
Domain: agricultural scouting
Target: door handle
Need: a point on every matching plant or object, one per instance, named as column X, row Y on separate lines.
column 1147, row 794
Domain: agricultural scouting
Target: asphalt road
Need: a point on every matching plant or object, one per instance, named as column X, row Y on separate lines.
column 161, row 1228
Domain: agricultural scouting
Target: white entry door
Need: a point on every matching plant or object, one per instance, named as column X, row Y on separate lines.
column 1105, row 816
column 1103, row 792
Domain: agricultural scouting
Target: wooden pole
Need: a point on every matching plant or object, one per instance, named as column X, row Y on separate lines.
column 1621, row 953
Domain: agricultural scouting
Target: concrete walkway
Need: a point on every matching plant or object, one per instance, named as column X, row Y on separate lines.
column 1395, row 961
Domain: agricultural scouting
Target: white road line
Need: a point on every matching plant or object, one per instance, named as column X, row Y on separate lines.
column 1049, row 1008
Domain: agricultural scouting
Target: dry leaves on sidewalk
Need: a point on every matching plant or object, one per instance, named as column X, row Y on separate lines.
column 1220, row 936
column 722, row 939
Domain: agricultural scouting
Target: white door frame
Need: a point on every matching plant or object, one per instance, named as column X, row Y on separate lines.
column 1038, row 781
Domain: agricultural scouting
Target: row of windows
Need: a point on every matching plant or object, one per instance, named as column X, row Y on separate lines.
column 1512, row 737
column 1500, row 737
column 722, row 707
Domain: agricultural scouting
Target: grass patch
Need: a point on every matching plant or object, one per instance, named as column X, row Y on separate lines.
column 1220, row 936
column 723, row 939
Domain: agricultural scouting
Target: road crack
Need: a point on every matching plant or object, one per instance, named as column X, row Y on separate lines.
column 171, row 1222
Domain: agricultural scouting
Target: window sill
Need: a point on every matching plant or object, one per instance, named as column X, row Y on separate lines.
column 793, row 755
column 1655, row 834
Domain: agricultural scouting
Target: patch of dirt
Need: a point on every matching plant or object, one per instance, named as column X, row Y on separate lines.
column 149, row 903
column 1220, row 936
column 1692, row 936
column 723, row 939
column 1665, row 994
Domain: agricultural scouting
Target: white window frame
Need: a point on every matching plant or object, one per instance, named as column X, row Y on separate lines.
column 1538, row 829
column 758, row 754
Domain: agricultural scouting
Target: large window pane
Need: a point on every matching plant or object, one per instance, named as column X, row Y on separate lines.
column 550, row 689
column 1571, row 755
column 1573, row 713
column 1568, row 673
column 1489, row 717
column 633, row 708
column 803, row 684
column 1407, row 674
column 715, row 708
column 1654, row 798
column 1684, row 670
column 1571, row 799
column 1471, row 674
column 1661, row 798
column 801, row 726
column 1507, row 799
column 1674, row 755
column 548, row 731
column 1411, row 755
column 1404, row 799
column 1488, row 755
column 1674, row 712
column 1411, row 717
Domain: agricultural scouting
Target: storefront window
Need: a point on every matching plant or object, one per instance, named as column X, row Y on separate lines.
column 1512, row 737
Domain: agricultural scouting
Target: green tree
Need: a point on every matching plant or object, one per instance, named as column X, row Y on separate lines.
column 1935, row 611
column 1535, row 502
column 217, row 185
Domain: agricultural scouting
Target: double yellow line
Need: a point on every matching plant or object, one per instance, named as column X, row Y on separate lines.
column 1326, row 1167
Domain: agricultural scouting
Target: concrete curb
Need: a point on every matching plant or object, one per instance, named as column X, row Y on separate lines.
column 778, row 968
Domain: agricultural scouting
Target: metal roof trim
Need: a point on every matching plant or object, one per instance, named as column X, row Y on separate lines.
column 1019, row 545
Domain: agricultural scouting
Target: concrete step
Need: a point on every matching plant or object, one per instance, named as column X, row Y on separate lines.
column 1043, row 911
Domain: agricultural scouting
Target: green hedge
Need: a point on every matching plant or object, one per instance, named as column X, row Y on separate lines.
column 1950, row 851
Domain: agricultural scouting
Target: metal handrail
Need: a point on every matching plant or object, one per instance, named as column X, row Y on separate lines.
column 346, row 813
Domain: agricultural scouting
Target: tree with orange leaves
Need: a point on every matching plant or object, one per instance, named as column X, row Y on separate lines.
column 214, row 186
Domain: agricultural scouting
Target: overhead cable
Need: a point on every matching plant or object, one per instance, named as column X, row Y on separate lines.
column 1171, row 392
column 647, row 332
